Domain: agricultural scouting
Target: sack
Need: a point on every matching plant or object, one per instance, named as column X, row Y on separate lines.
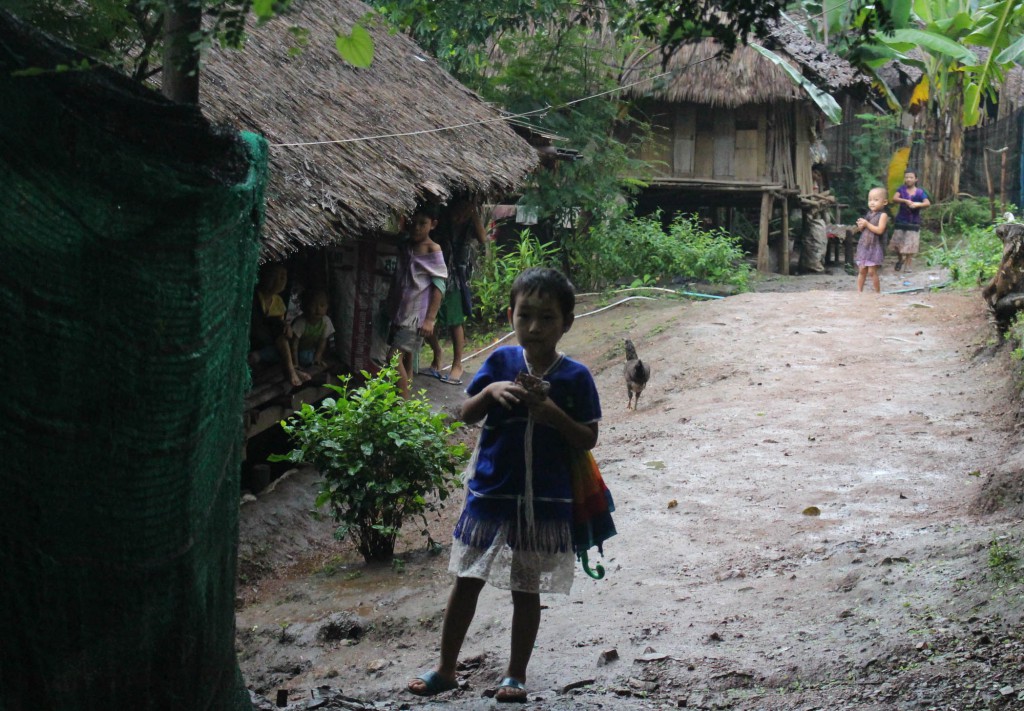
column 592, row 508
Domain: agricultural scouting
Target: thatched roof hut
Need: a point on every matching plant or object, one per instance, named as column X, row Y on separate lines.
column 746, row 77
column 731, row 133
column 326, row 193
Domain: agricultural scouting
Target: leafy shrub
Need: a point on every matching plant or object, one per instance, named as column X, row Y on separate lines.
column 383, row 458
column 640, row 250
column 972, row 259
column 956, row 215
column 492, row 281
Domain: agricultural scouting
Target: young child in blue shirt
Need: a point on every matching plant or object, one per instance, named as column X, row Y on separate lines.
column 538, row 406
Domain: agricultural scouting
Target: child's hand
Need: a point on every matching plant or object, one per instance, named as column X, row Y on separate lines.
column 545, row 411
column 861, row 222
column 426, row 329
column 507, row 394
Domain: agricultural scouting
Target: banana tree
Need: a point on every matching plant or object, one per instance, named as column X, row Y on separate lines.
column 945, row 34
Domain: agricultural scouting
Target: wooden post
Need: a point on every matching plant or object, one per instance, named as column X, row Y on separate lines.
column 784, row 266
column 763, row 262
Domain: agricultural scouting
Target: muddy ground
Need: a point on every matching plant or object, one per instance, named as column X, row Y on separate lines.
column 894, row 417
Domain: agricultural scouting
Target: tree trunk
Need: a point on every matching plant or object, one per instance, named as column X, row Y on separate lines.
column 945, row 146
column 180, row 78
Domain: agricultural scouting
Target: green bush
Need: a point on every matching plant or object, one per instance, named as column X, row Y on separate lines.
column 639, row 250
column 492, row 281
column 956, row 215
column 972, row 259
column 383, row 458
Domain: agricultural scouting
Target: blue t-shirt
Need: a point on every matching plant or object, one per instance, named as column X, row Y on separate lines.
column 499, row 478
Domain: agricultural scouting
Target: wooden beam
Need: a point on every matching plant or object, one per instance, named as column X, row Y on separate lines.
column 784, row 264
column 763, row 262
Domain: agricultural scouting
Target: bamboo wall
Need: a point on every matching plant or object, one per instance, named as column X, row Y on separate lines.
column 766, row 144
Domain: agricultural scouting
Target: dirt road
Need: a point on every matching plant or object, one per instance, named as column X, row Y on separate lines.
column 794, row 505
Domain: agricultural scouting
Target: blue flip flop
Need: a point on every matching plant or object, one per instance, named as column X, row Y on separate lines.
column 431, row 372
column 433, row 684
column 450, row 381
column 514, row 685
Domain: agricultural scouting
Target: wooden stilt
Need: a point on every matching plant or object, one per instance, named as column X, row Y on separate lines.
column 784, row 263
column 763, row 260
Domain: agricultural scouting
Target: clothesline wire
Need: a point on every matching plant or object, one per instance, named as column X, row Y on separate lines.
column 533, row 112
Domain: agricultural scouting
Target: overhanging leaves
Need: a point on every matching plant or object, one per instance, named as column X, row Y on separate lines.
column 824, row 101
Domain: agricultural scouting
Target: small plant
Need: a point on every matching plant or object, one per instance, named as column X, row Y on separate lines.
column 492, row 282
column 1003, row 560
column 383, row 458
column 640, row 251
column 972, row 259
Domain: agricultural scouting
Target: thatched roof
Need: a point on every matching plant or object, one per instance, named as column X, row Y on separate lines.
column 746, row 77
column 327, row 193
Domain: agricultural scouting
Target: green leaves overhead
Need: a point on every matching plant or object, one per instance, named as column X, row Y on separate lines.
column 824, row 101
column 356, row 48
column 907, row 39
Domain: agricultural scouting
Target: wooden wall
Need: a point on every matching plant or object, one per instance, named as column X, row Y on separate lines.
column 693, row 141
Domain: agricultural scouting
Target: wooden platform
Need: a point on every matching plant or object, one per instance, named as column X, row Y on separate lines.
column 272, row 397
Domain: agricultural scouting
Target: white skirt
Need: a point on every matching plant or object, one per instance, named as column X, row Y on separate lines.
column 528, row 571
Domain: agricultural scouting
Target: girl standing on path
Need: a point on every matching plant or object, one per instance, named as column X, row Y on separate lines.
column 515, row 531
column 415, row 295
column 869, row 246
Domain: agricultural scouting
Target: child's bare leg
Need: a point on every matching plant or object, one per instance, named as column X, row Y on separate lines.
column 861, row 274
column 458, row 343
column 284, row 349
column 908, row 261
column 404, row 364
column 873, row 271
column 435, row 350
column 457, row 618
column 525, row 623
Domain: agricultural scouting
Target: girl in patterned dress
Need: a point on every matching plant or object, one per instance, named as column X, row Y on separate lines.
column 869, row 246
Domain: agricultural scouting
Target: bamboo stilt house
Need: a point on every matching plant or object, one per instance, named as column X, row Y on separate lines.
column 736, row 132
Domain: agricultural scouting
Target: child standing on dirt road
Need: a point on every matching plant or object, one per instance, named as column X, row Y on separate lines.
column 869, row 246
column 906, row 237
column 515, row 528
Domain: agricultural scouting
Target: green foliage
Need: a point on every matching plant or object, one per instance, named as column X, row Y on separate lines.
column 551, row 69
column 541, row 59
column 955, row 215
column 972, row 259
column 1016, row 335
column 870, row 149
column 639, row 249
column 492, row 282
column 1004, row 561
column 383, row 458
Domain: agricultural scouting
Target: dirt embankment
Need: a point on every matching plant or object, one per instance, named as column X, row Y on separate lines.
column 818, row 503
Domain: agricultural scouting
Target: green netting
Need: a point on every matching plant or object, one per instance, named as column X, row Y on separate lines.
column 128, row 249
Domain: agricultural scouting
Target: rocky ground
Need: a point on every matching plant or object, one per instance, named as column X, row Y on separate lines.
column 819, row 506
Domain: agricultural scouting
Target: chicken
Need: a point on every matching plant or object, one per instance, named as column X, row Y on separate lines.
column 637, row 374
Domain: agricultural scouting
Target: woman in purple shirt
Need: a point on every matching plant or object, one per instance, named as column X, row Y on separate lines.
column 906, row 236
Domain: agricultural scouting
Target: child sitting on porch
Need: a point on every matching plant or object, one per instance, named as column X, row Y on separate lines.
column 415, row 295
column 312, row 329
column 269, row 333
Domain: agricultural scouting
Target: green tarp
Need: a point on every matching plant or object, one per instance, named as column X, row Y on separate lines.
column 128, row 248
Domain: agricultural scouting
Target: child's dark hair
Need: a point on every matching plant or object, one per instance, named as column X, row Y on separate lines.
column 545, row 282
column 307, row 298
column 431, row 210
